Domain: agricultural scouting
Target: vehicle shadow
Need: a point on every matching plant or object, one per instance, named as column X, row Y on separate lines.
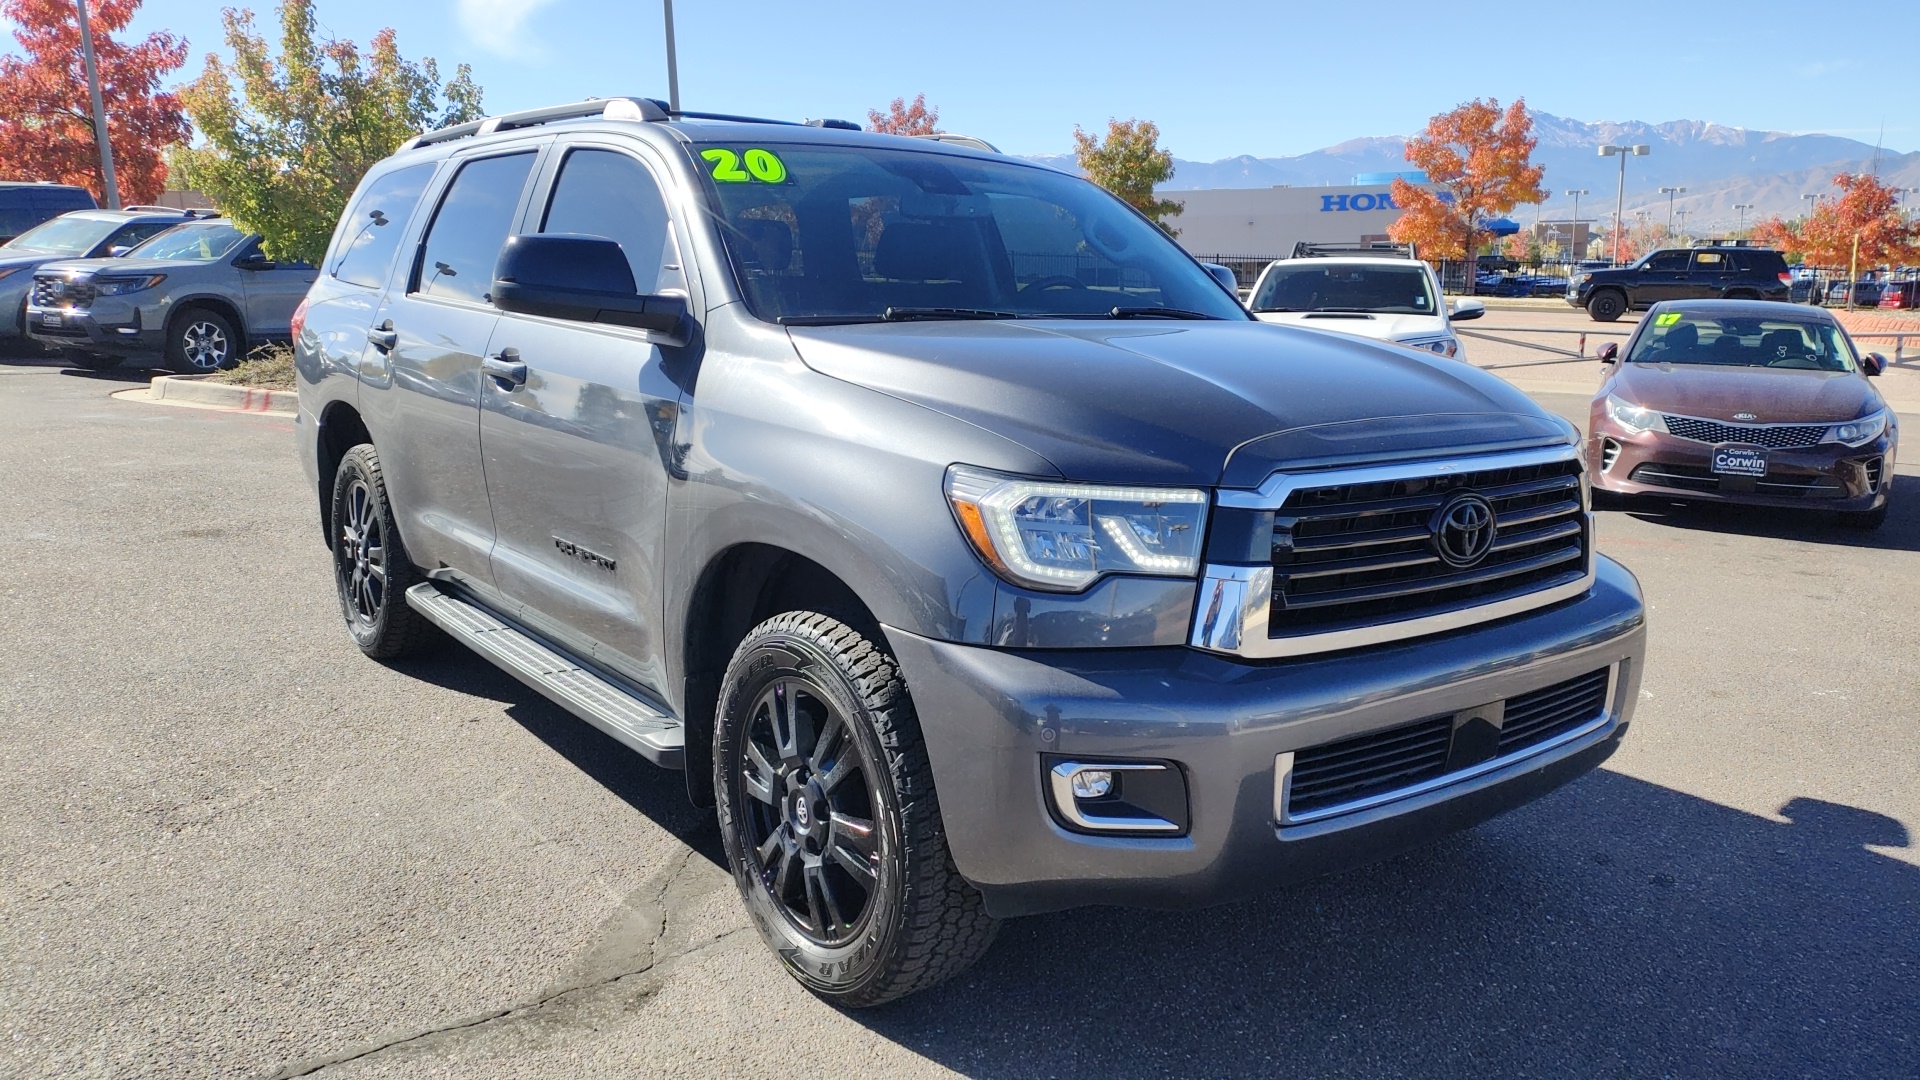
column 1616, row 928
column 1900, row 533
column 659, row 794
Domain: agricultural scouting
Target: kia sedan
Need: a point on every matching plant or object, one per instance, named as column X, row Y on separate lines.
column 1746, row 402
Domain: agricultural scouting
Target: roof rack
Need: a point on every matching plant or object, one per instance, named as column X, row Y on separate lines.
column 1709, row 242
column 184, row 211
column 958, row 139
column 619, row 108
column 1306, row 249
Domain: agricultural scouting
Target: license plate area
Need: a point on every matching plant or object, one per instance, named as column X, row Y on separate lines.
column 1739, row 461
column 52, row 318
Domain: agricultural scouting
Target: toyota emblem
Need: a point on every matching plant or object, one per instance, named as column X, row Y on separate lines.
column 1463, row 530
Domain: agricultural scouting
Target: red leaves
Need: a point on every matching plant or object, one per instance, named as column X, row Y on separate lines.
column 1868, row 210
column 1478, row 155
column 904, row 119
column 46, row 125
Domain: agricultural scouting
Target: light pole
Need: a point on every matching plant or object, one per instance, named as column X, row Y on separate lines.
column 1742, row 208
column 99, row 110
column 1683, row 222
column 673, row 67
column 1574, row 239
column 1902, row 193
column 1670, row 192
column 1620, row 197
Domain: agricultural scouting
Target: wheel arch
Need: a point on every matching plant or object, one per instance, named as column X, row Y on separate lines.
column 338, row 430
column 220, row 305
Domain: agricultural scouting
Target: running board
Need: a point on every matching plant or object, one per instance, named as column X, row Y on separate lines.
column 633, row 723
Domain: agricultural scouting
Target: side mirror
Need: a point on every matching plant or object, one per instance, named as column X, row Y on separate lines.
column 1224, row 275
column 1874, row 363
column 1464, row 309
column 1609, row 352
column 118, row 250
column 582, row 278
column 256, row 261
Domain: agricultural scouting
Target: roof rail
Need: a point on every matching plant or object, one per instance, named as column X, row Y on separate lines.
column 618, row 108
column 835, row 125
column 1306, row 249
column 147, row 208
column 958, row 139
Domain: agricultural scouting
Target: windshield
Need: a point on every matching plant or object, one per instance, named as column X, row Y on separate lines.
column 202, row 242
column 821, row 234
column 1687, row 337
column 69, row 234
column 1387, row 290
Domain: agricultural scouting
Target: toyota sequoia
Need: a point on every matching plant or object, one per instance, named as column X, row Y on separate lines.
column 968, row 546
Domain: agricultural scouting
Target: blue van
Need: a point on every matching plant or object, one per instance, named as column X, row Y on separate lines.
column 24, row 204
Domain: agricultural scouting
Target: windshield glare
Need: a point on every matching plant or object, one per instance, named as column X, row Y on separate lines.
column 1677, row 337
column 70, row 234
column 851, row 233
column 195, row 243
column 1387, row 290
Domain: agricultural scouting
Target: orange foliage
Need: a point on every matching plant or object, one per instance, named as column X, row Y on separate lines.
column 1479, row 156
column 46, row 118
column 904, row 119
column 1868, row 210
column 1774, row 233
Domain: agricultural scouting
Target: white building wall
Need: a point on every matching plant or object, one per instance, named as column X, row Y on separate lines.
column 1269, row 221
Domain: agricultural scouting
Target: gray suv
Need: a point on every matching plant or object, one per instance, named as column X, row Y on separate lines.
column 83, row 234
column 969, row 547
column 194, row 297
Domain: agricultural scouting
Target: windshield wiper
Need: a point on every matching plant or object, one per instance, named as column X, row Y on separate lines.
column 906, row 314
column 1158, row 313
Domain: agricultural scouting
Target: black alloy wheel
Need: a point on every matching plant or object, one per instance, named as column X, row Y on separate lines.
column 1606, row 305
column 831, row 825
column 371, row 570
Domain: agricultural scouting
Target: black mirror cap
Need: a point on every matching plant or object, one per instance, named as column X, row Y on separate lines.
column 1609, row 352
column 581, row 278
column 1875, row 363
column 256, row 261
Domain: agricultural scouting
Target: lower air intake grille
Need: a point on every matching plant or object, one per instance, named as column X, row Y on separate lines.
column 1534, row 718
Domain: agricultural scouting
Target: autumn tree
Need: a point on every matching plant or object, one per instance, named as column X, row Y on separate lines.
column 1774, row 232
column 288, row 137
column 902, row 118
column 1130, row 164
column 46, row 115
column 1480, row 161
column 1867, row 211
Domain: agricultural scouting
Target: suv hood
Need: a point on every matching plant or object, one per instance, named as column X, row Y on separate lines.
column 1198, row 403
column 1773, row 396
column 1384, row 327
column 117, row 266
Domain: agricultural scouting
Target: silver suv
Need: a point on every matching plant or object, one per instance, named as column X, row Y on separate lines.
column 968, row 545
column 195, row 297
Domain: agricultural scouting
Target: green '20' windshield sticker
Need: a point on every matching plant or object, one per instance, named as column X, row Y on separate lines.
column 755, row 164
column 1668, row 319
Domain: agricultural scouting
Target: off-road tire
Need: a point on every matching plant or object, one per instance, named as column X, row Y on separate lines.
column 191, row 342
column 386, row 628
column 1865, row 520
column 923, row 922
column 1606, row 305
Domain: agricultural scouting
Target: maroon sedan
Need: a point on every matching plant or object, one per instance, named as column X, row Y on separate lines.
column 1744, row 401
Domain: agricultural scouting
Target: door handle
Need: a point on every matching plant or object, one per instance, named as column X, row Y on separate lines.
column 505, row 369
column 383, row 337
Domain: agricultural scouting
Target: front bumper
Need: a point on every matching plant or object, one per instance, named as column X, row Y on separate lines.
column 1828, row 477
column 992, row 718
column 118, row 328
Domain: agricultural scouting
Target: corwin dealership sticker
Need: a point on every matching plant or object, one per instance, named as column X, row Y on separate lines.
column 1735, row 461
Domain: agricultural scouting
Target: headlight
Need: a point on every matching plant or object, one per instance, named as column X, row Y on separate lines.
column 1857, row 432
column 1582, row 279
column 1062, row 537
column 1445, row 346
column 123, row 285
column 1633, row 417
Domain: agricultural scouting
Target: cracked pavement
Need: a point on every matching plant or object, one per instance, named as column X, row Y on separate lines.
column 237, row 848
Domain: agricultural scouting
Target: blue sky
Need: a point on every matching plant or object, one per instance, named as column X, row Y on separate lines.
column 1220, row 79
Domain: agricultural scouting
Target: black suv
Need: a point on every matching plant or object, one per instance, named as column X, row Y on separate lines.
column 1717, row 272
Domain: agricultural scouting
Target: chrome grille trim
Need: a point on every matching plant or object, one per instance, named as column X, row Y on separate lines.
column 1234, row 612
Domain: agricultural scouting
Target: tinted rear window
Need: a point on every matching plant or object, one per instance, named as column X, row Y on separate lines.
column 371, row 230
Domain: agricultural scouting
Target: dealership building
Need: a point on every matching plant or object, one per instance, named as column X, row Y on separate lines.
column 1265, row 223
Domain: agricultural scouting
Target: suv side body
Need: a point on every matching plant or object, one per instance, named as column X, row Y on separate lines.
column 1731, row 272
column 625, row 507
column 106, row 233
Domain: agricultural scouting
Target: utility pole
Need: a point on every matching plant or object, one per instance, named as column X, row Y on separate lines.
column 1670, row 192
column 1620, row 197
column 99, row 110
column 673, row 66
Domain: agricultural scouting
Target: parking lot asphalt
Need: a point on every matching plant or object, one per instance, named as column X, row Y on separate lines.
column 236, row 847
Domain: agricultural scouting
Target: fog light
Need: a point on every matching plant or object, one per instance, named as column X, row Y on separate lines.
column 1092, row 783
column 1118, row 796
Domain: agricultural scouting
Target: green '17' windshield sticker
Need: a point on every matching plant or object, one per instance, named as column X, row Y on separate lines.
column 755, row 164
column 1668, row 319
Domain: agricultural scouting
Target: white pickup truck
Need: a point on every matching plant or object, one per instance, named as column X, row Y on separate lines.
column 1381, row 296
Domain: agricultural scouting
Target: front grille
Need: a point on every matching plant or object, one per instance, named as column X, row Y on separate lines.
column 1772, row 436
column 1360, row 554
column 1383, row 762
column 62, row 292
column 1702, row 478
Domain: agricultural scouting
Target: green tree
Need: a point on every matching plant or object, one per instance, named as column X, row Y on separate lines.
column 1130, row 164
column 288, row 137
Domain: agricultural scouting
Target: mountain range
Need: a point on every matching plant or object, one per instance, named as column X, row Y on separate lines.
column 1719, row 166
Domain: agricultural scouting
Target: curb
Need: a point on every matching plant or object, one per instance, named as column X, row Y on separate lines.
column 198, row 390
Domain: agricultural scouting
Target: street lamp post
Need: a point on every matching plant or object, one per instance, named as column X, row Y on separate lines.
column 1670, row 192
column 1620, row 196
column 673, row 67
column 1742, row 208
column 99, row 110
column 1573, row 237
column 1683, row 222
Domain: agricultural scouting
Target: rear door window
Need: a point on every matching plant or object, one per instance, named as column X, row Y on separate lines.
column 373, row 228
column 606, row 193
column 1709, row 262
column 470, row 227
